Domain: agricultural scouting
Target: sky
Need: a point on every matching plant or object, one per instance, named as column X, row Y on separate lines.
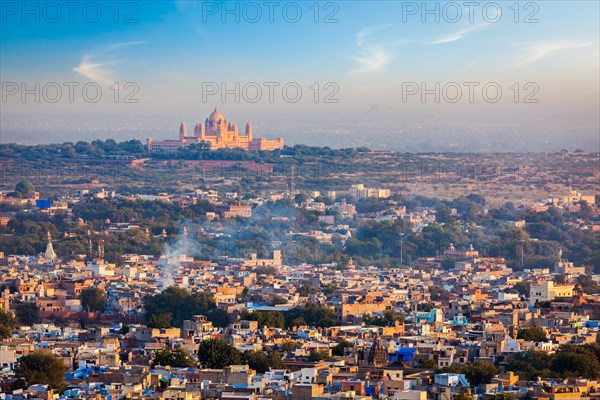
column 309, row 71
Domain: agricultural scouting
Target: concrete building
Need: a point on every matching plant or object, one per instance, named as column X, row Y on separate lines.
column 361, row 192
column 548, row 291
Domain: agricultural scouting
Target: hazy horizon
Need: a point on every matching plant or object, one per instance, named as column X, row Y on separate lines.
column 406, row 76
column 391, row 132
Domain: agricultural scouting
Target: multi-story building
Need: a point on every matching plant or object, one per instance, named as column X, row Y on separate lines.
column 361, row 192
column 548, row 291
column 236, row 211
column 571, row 198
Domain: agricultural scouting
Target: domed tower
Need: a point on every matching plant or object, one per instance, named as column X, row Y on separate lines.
column 199, row 131
column 216, row 123
column 182, row 131
column 216, row 115
column 249, row 131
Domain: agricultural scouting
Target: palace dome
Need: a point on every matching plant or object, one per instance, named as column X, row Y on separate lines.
column 216, row 116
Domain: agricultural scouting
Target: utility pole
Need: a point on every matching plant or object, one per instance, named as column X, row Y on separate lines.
column 292, row 182
column 522, row 251
column 401, row 245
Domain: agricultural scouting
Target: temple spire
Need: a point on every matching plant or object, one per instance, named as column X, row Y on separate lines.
column 50, row 254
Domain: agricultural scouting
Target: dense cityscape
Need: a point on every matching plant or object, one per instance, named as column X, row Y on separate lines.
column 231, row 292
column 299, row 200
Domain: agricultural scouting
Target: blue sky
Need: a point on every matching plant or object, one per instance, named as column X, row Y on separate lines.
column 369, row 49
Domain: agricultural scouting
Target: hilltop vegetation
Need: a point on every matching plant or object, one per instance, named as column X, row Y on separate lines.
column 497, row 176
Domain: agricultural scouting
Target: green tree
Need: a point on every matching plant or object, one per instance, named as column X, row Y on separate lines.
column 261, row 361
column 427, row 363
column 315, row 356
column 218, row 317
column 522, row 288
column 182, row 305
column 160, row 321
column 276, row 300
column 576, row 361
column 176, row 358
column 215, row 353
column 370, row 205
column 529, row 364
column 8, row 322
column 272, row 319
column 588, row 284
column 463, row 394
column 503, row 396
column 300, row 198
column 23, row 188
column 437, row 292
column 41, row 367
column 449, row 369
column 28, row 313
column 93, row 299
column 543, row 304
column 442, row 213
column 532, row 333
column 480, row 372
column 290, row 345
column 389, row 318
column 330, row 288
column 339, row 348
column 311, row 314
column 306, row 290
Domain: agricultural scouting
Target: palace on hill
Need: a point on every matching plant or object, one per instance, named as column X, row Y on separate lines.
column 219, row 133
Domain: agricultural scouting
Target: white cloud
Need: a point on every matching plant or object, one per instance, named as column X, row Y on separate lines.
column 93, row 71
column 373, row 56
column 542, row 50
column 119, row 45
column 453, row 37
column 98, row 71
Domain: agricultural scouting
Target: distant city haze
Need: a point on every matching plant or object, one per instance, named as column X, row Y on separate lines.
column 379, row 74
column 378, row 131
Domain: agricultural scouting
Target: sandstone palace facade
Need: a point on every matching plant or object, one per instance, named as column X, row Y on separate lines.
column 219, row 133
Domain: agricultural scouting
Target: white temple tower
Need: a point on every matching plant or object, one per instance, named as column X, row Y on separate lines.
column 49, row 254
